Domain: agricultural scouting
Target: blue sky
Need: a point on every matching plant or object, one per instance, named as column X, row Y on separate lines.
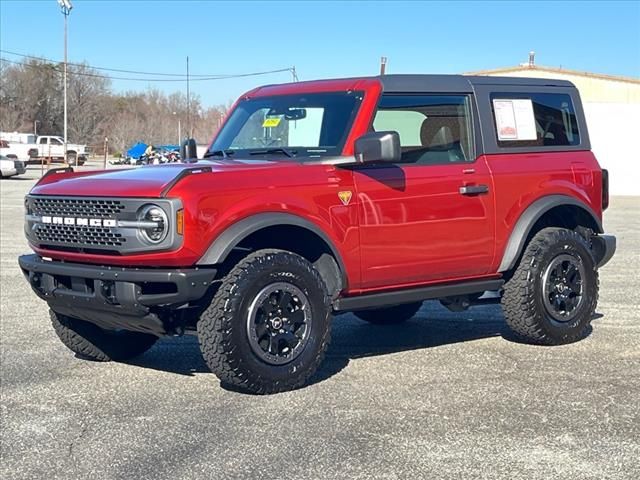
column 323, row 39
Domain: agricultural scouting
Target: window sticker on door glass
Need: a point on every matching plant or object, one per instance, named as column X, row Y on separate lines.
column 514, row 119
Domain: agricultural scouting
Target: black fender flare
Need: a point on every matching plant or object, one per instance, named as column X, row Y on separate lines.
column 528, row 219
column 230, row 238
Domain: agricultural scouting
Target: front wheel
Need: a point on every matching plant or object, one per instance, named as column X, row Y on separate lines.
column 268, row 325
column 553, row 293
column 94, row 343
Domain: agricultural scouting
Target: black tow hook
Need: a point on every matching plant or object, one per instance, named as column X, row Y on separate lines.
column 108, row 290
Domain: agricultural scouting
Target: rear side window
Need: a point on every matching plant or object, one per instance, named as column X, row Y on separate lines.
column 534, row 120
column 433, row 129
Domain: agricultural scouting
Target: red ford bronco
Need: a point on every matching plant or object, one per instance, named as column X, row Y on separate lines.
column 366, row 195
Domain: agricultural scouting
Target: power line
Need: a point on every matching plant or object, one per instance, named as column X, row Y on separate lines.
column 183, row 79
column 135, row 72
column 95, row 75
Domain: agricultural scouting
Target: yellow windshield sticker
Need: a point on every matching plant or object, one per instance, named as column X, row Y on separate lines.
column 271, row 122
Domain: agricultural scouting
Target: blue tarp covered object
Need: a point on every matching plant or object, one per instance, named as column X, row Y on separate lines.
column 137, row 150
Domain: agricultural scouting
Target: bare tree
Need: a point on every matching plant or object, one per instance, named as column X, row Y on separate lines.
column 32, row 91
column 86, row 97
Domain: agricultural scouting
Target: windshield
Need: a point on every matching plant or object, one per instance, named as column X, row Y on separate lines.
column 304, row 125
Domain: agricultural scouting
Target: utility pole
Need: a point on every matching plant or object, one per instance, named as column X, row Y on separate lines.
column 294, row 74
column 383, row 65
column 65, row 6
column 188, row 103
column 106, row 151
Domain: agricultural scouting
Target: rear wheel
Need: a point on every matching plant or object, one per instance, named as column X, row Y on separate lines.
column 553, row 293
column 93, row 343
column 389, row 315
column 268, row 325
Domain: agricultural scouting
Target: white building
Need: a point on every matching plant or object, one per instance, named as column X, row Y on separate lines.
column 612, row 107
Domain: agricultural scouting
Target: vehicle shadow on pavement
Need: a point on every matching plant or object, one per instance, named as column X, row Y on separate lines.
column 352, row 338
column 173, row 355
column 432, row 326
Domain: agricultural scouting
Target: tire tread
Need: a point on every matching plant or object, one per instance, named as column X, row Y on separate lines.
column 519, row 301
column 91, row 342
column 218, row 321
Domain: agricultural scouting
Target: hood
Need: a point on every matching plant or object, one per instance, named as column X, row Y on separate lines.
column 149, row 181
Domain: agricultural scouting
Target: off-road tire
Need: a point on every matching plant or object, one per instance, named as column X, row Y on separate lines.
column 223, row 331
column 91, row 342
column 523, row 300
column 389, row 315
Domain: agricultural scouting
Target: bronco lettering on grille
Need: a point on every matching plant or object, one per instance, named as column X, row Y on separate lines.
column 94, row 222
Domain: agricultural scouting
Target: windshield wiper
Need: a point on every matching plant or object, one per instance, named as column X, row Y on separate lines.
column 271, row 151
column 219, row 153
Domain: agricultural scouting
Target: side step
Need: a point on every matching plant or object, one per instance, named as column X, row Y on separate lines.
column 373, row 300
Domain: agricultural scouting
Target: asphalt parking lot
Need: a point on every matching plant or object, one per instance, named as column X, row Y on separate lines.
column 442, row 396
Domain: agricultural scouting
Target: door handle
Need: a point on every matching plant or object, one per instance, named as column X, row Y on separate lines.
column 474, row 189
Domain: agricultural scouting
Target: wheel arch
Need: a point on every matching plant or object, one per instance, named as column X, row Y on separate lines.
column 548, row 211
column 286, row 231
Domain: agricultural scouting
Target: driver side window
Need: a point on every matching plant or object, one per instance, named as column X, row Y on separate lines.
column 433, row 129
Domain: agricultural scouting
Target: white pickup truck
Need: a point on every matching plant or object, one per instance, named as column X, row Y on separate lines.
column 45, row 147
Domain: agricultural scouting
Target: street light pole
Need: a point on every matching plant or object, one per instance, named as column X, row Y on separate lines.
column 66, row 16
column 65, row 6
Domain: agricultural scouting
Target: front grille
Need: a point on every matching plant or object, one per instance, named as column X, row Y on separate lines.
column 74, row 207
column 106, row 226
column 79, row 235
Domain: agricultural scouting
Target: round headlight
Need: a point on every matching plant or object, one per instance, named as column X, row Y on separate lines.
column 155, row 223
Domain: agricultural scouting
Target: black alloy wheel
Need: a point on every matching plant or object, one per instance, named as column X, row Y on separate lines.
column 279, row 323
column 563, row 290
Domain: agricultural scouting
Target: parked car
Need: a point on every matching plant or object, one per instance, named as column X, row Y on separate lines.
column 365, row 195
column 10, row 167
column 46, row 147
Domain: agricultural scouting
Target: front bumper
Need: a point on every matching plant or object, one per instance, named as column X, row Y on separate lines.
column 138, row 299
column 604, row 246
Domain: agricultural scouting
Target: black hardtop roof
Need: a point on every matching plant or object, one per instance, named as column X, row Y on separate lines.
column 434, row 83
column 399, row 83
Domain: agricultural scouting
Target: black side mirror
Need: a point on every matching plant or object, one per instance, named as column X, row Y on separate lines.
column 378, row 147
column 188, row 150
